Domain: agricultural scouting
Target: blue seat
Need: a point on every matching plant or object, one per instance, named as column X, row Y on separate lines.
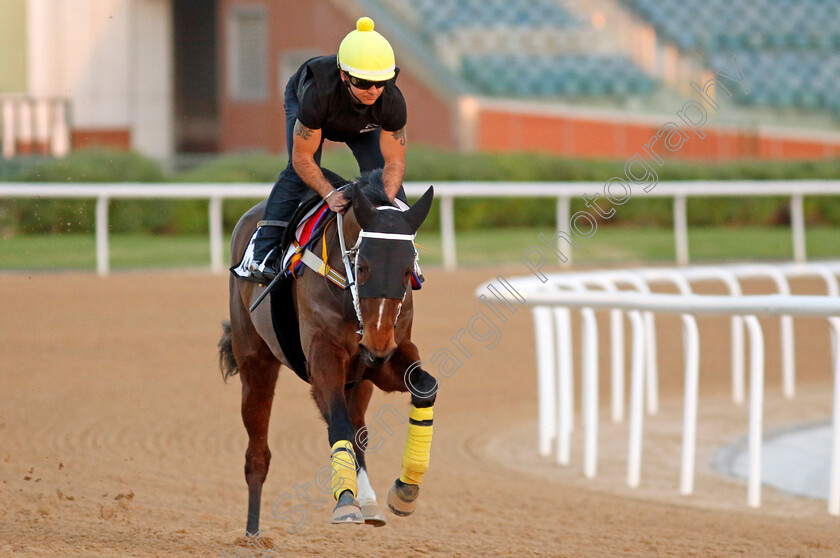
column 788, row 49
column 446, row 15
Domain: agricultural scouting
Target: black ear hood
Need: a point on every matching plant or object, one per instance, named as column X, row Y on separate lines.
column 417, row 213
column 363, row 209
column 390, row 257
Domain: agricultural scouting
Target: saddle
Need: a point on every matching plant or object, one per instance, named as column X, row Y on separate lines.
column 306, row 224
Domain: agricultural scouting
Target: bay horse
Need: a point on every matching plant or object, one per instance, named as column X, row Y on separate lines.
column 348, row 348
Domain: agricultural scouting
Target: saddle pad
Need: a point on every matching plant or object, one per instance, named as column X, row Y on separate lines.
column 306, row 232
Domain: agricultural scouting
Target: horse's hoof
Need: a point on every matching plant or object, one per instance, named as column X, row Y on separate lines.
column 347, row 510
column 374, row 515
column 348, row 514
column 402, row 498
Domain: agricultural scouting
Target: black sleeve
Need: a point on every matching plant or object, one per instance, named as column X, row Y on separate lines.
column 396, row 115
column 310, row 112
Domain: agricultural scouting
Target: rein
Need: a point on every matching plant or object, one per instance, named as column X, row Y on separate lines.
column 348, row 269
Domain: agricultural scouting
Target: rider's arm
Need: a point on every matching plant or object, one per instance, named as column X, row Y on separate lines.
column 306, row 144
column 392, row 145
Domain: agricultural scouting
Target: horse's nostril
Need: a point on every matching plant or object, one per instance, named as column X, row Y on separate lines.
column 372, row 360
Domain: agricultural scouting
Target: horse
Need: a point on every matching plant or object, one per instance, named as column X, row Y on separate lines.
column 349, row 346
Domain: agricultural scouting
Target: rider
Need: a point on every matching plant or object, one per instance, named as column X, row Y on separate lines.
column 352, row 98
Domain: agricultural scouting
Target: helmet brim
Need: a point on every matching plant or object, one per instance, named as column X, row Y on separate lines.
column 383, row 75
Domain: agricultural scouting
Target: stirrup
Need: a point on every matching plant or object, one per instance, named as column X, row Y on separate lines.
column 263, row 274
column 264, row 271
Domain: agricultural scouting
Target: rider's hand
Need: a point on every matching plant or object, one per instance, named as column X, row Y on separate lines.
column 337, row 202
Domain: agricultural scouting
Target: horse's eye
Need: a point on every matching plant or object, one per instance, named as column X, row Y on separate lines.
column 362, row 273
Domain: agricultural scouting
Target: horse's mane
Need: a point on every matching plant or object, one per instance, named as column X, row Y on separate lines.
column 370, row 183
column 373, row 187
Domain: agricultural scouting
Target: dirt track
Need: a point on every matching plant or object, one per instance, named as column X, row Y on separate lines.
column 119, row 438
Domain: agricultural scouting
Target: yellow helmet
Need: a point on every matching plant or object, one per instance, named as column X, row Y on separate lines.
column 366, row 54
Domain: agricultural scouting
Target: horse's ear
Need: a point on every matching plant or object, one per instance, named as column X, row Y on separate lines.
column 362, row 207
column 417, row 213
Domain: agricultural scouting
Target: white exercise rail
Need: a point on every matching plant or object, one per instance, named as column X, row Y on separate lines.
column 640, row 279
column 446, row 192
column 545, row 298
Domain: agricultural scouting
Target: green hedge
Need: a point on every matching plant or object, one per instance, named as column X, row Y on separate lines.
column 422, row 165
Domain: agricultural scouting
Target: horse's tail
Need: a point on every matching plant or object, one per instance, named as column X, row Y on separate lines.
column 227, row 362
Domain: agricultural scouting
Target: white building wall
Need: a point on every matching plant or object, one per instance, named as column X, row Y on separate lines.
column 113, row 59
column 152, row 90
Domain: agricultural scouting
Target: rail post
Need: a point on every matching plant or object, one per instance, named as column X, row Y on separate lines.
column 756, row 410
column 797, row 225
column 834, row 486
column 102, row 251
column 447, row 231
column 565, row 384
column 216, row 235
column 544, row 331
column 563, row 216
column 681, row 229
column 590, row 392
column 637, row 396
column 691, row 343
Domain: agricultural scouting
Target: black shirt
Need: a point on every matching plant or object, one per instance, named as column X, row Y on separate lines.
column 326, row 104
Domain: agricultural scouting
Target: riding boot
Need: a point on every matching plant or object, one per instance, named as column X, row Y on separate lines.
column 266, row 263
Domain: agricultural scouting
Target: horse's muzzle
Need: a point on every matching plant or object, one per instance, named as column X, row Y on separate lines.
column 372, row 359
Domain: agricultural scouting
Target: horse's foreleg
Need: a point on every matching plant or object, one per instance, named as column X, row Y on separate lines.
column 328, row 367
column 357, row 402
column 405, row 374
column 402, row 498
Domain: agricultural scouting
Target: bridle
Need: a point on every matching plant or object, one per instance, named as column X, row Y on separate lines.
column 353, row 252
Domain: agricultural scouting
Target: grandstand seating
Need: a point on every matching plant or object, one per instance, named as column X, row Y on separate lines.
column 788, row 50
column 563, row 75
column 440, row 16
column 508, row 71
column 723, row 24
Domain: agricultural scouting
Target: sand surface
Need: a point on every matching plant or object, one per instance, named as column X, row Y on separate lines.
column 118, row 437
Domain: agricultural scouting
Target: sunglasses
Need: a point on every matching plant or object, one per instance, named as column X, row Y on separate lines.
column 364, row 84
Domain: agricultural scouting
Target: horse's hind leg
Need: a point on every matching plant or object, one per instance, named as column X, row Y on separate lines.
column 257, row 396
column 258, row 370
column 357, row 402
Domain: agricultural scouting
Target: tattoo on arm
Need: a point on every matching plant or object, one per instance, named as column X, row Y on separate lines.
column 302, row 131
column 399, row 136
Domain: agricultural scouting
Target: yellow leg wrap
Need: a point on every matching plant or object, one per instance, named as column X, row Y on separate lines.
column 415, row 461
column 343, row 461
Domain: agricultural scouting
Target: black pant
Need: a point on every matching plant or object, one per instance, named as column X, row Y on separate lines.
column 290, row 188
